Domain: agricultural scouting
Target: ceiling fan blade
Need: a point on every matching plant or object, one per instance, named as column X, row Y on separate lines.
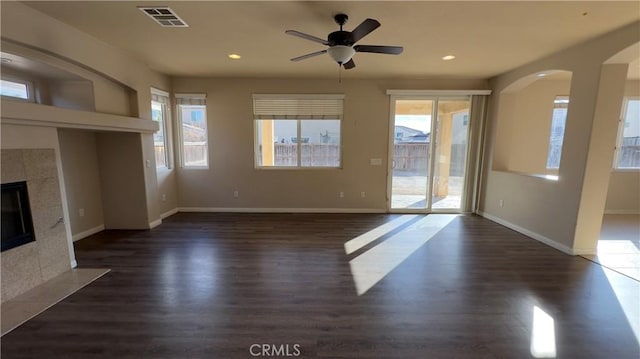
column 309, row 55
column 364, row 29
column 307, row 36
column 391, row 50
column 349, row 65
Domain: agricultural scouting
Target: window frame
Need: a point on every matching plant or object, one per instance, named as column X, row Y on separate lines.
column 180, row 134
column 620, row 136
column 298, row 166
column 31, row 94
column 299, row 118
column 551, row 129
column 166, row 127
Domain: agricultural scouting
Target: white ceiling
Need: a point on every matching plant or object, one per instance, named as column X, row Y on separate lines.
column 488, row 38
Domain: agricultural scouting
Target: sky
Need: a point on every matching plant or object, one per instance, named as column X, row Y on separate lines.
column 418, row 122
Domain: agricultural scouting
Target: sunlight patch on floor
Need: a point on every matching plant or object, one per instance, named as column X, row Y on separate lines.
column 543, row 335
column 620, row 255
column 371, row 266
column 628, row 296
column 362, row 240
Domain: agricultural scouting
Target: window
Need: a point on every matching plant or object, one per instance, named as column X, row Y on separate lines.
column 556, row 137
column 298, row 131
column 628, row 147
column 192, row 114
column 161, row 139
column 17, row 90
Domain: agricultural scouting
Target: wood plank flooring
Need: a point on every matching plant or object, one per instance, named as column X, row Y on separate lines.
column 205, row 285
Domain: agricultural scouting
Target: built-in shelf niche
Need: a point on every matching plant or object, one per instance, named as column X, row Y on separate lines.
column 60, row 83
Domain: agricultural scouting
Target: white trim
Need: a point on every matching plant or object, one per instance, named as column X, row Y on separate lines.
column 299, row 96
column 621, row 211
column 155, row 223
column 169, row 213
column 437, row 92
column 540, row 238
column 74, row 264
column 280, row 210
column 88, row 232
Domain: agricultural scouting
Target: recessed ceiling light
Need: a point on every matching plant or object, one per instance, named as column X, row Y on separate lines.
column 448, row 57
column 585, row 13
column 235, row 56
column 541, row 74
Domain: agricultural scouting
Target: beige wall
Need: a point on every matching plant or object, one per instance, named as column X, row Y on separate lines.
column 365, row 131
column 624, row 192
column 624, row 187
column 122, row 179
column 113, row 98
column 522, row 145
column 76, row 95
column 82, row 180
column 32, row 153
column 548, row 210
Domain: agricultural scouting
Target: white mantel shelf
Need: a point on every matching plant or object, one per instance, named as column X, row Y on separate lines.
column 30, row 114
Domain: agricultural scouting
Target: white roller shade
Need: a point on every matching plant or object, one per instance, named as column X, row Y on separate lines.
column 298, row 106
column 191, row 99
column 159, row 96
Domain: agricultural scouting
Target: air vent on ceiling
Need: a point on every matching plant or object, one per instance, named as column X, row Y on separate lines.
column 164, row 16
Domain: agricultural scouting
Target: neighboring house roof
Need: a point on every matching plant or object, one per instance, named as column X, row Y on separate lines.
column 410, row 135
column 410, row 131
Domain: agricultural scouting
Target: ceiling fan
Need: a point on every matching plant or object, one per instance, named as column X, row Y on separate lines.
column 342, row 44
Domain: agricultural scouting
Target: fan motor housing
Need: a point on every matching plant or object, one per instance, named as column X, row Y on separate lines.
column 340, row 38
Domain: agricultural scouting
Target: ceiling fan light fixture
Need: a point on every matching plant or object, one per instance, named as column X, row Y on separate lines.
column 341, row 53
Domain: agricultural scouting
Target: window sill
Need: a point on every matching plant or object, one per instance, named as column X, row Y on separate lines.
column 547, row 177
column 274, row 168
column 626, row 170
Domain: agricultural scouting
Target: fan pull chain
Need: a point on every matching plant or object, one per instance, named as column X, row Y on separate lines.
column 339, row 73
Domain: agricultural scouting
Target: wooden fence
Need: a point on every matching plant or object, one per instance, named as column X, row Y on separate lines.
column 414, row 157
column 408, row 157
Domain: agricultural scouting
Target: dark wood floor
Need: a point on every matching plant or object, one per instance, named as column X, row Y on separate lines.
column 211, row 285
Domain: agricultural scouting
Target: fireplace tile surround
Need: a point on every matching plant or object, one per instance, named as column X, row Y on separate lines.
column 29, row 265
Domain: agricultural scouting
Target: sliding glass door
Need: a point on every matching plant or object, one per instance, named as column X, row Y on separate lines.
column 428, row 153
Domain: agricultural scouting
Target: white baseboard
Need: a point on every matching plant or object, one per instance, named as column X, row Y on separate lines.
column 280, row 210
column 155, row 223
column 621, row 211
column 169, row 213
column 87, row 233
column 540, row 238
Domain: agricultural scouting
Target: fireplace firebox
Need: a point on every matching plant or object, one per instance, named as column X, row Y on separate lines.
column 17, row 223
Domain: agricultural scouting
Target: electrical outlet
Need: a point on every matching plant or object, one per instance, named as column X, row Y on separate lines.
column 362, row 194
column 81, row 212
column 376, row 161
column 236, row 194
column 341, row 194
column 148, row 163
column 501, row 203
